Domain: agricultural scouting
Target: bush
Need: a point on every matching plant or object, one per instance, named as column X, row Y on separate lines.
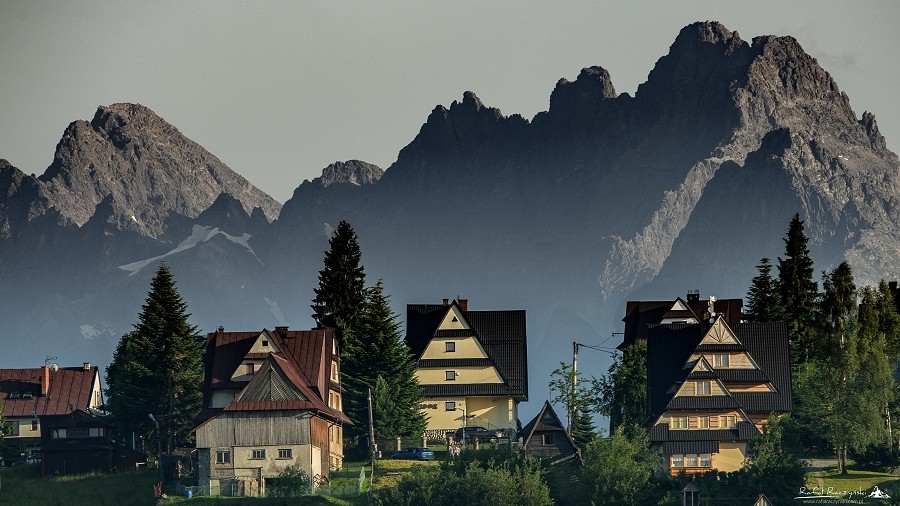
column 292, row 482
column 877, row 457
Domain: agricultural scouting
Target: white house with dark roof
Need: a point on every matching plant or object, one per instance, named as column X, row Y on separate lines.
column 711, row 389
column 472, row 365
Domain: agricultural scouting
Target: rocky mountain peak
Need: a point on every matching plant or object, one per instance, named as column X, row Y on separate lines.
column 355, row 172
column 148, row 168
column 591, row 86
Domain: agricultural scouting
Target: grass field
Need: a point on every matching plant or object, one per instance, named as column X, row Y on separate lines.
column 856, row 484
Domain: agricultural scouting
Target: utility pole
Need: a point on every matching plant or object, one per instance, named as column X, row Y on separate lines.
column 371, row 430
column 570, row 416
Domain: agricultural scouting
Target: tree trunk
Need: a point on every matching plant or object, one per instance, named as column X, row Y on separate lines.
column 890, row 437
column 843, row 460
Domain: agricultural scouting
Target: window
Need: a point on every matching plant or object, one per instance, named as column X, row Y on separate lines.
column 678, row 460
column 96, row 432
column 251, row 368
column 34, row 424
column 450, row 376
column 720, row 360
column 702, row 387
column 679, row 422
column 258, row 454
column 705, row 460
column 223, row 457
column 703, row 422
column 265, row 343
column 547, row 439
column 59, row 434
column 450, row 406
column 690, row 460
column 285, row 453
column 450, row 346
column 727, row 421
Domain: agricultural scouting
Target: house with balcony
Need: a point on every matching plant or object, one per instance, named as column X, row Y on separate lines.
column 711, row 387
column 32, row 397
column 272, row 399
column 472, row 365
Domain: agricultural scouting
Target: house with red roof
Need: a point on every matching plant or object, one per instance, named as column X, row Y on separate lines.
column 30, row 397
column 272, row 399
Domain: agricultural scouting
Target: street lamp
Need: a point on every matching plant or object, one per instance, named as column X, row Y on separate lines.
column 162, row 476
column 465, row 422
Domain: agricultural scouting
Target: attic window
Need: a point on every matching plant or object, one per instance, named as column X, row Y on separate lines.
column 450, row 346
column 454, row 320
column 547, row 439
column 265, row 343
column 702, row 388
column 721, row 360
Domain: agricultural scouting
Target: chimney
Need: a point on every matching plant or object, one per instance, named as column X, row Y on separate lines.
column 45, row 380
column 282, row 331
column 693, row 297
column 221, row 329
column 446, row 302
column 87, row 366
column 463, row 304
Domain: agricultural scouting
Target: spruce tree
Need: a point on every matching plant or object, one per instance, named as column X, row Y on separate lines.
column 763, row 298
column 583, row 430
column 341, row 290
column 623, row 391
column 798, row 291
column 157, row 369
column 375, row 347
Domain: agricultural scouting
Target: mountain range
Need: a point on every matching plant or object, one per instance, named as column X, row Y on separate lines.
column 602, row 198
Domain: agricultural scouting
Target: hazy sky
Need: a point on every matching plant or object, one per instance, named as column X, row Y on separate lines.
column 278, row 90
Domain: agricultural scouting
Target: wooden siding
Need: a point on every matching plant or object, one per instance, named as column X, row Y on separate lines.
column 749, row 387
column 561, row 447
column 694, row 419
column 255, row 428
column 320, row 438
column 689, row 388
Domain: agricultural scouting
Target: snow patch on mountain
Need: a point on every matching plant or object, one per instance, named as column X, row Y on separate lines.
column 199, row 235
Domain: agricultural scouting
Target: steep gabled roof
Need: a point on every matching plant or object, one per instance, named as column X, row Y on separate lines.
column 670, row 347
column 640, row 315
column 548, row 421
column 295, row 376
column 70, row 389
column 502, row 334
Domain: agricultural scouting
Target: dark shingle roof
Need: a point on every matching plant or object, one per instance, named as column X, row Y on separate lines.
column 502, row 334
column 712, row 402
column 743, row 431
column 682, row 447
column 670, row 346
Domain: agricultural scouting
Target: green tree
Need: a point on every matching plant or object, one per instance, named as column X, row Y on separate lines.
column 798, row 291
column 617, row 470
column 157, row 369
column 764, row 299
column 623, row 391
column 375, row 347
column 579, row 399
column 341, row 291
column 773, row 465
column 874, row 378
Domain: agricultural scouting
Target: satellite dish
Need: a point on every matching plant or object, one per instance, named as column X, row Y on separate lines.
column 54, row 367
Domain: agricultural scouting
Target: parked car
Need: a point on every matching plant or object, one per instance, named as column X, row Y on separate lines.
column 414, row 454
column 474, row 432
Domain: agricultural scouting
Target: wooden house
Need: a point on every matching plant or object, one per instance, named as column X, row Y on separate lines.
column 712, row 387
column 34, row 396
column 79, row 442
column 472, row 365
column 272, row 399
column 545, row 437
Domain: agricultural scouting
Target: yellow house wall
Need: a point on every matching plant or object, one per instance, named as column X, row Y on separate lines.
column 490, row 412
column 240, row 373
column 464, row 375
column 448, row 324
column 259, row 348
column 466, row 347
column 730, row 457
column 221, row 398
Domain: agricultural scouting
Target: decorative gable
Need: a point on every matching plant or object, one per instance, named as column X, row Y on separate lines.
column 265, row 344
column 719, row 333
column 270, row 385
column 454, row 320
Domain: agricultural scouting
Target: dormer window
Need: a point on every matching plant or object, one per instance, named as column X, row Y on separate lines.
column 720, row 360
column 14, row 395
column 26, row 395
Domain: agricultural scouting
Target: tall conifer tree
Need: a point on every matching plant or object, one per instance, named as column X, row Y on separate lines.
column 764, row 298
column 799, row 292
column 375, row 348
column 341, row 290
column 157, row 369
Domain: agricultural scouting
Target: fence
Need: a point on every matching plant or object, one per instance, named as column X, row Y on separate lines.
column 322, row 485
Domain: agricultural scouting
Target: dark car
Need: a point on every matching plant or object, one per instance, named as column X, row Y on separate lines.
column 414, row 454
column 474, row 432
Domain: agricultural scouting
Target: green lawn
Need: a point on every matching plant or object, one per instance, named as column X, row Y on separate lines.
column 24, row 485
column 858, row 483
